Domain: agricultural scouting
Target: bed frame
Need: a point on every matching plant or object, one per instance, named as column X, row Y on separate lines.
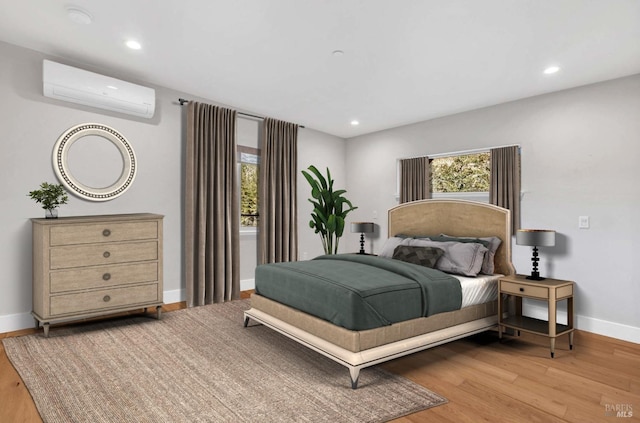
column 451, row 217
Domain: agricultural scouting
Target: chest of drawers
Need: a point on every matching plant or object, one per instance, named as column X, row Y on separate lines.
column 89, row 266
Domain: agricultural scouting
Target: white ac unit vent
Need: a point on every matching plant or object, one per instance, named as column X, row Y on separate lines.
column 67, row 83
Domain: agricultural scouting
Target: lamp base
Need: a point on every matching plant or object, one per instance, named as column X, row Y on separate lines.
column 535, row 275
column 535, row 278
column 361, row 244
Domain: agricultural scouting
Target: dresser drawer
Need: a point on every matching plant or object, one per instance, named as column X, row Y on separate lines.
column 97, row 254
column 102, row 232
column 103, row 276
column 524, row 290
column 103, row 299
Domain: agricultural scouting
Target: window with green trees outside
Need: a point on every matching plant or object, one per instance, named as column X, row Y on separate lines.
column 461, row 173
column 249, row 189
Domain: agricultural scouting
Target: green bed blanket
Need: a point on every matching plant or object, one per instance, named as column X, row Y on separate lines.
column 359, row 292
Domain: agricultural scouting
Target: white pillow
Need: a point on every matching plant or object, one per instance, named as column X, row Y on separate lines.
column 390, row 246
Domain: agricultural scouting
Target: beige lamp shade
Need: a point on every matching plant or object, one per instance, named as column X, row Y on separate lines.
column 536, row 237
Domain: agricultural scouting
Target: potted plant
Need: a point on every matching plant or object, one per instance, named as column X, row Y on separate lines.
column 50, row 196
column 330, row 209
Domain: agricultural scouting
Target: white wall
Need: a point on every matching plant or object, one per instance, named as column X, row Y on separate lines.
column 580, row 157
column 30, row 126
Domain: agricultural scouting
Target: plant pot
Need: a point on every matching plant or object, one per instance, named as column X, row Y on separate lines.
column 51, row 213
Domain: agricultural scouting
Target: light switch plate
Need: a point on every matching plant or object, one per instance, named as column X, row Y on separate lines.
column 583, row 222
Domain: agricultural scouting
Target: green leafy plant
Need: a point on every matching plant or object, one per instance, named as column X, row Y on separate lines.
column 49, row 195
column 330, row 208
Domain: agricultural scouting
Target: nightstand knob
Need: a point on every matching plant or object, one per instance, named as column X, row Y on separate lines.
column 106, row 254
column 521, row 289
column 106, row 276
column 106, row 298
column 106, row 232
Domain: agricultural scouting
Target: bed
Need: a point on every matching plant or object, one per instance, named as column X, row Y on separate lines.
column 364, row 344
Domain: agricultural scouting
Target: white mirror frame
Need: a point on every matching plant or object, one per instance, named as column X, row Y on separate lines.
column 61, row 166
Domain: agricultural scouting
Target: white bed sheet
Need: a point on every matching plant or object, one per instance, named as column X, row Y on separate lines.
column 478, row 290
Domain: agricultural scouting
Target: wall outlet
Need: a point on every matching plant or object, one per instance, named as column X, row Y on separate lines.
column 583, row 222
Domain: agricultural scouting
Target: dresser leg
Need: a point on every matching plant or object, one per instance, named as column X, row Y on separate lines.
column 159, row 312
column 37, row 323
column 45, row 326
column 553, row 346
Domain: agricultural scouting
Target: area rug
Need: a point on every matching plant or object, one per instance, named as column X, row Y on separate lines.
column 199, row 365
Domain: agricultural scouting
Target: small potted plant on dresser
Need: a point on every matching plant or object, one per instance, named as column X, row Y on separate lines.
column 50, row 196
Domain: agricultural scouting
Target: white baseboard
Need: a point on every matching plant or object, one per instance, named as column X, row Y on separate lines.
column 175, row 296
column 587, row 324
column 247, row 284
column 11, row 322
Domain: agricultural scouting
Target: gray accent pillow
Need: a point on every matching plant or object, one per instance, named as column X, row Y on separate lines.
column 423, row 256
column 459, row 258
column 491, row 242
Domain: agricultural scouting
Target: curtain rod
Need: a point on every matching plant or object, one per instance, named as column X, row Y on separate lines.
column 182, row 101
column 460, row 153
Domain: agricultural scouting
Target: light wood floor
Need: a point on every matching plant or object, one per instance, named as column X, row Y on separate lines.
column 483, row 379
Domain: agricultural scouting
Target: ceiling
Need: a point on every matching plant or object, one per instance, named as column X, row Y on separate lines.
column 403, row 61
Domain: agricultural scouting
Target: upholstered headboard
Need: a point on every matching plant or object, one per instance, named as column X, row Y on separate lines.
column 455, row 218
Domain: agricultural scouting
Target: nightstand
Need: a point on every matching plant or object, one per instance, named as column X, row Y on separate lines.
column 550, row 290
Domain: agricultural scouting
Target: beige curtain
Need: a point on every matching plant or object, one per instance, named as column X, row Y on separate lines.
column 277, row 226
column 415, row 181
column 212, row 210
column 504, row 183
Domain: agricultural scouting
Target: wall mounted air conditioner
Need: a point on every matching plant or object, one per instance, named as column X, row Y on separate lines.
column 67, row 83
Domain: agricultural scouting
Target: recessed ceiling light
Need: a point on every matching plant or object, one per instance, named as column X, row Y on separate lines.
column 133, row 45
column 551, row 69
column 355, row 123
column 78, row 15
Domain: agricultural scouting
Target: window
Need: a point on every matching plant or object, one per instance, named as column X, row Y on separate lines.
column 461, row 173
column 248, row 169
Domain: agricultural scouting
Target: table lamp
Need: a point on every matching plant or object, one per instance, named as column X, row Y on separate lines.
column 363, row 228
column 536, row 238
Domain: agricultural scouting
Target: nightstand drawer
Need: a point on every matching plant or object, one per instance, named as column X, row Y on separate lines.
column 524, row 290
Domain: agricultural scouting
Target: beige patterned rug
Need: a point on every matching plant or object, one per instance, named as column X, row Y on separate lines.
column 199, row 365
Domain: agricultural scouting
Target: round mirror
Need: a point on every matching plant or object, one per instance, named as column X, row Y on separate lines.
column 94, row 162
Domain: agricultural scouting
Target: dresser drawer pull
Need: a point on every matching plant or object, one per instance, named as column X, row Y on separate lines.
column 106, row 298
column 106, row 276
column 106, row 232
column 521, row 289
column 106, row 254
